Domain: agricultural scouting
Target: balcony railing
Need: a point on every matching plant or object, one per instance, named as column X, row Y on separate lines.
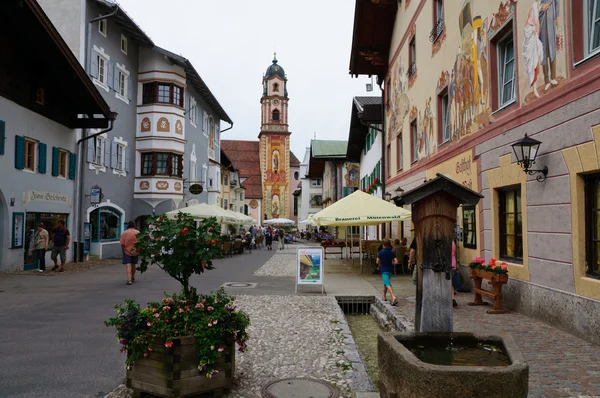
column 437, row 30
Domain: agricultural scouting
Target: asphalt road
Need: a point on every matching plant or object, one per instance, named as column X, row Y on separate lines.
column 53, row 342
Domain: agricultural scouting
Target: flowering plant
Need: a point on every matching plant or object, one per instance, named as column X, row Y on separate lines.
column 493, row 266
column 212, row 319
column 181, row 249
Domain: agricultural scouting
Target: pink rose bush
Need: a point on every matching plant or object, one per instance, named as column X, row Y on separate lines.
column 493, row 266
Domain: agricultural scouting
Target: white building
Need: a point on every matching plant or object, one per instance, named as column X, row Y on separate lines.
column 312, row 191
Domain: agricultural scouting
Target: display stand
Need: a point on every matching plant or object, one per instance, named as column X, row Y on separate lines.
column 310, row 269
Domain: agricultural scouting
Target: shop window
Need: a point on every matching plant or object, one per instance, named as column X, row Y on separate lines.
column 106, row 224
column 162, row 93
column 162, row 164
column 592, row 225
column 511, row 225
column 469, row 227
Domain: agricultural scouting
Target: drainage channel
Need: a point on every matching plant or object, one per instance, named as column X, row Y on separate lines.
column 364, row 328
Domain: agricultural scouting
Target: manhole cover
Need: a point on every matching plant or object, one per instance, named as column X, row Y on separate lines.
column 299, row 388
column 239, row 284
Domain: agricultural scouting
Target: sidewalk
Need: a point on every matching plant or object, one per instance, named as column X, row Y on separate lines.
column 560, row 364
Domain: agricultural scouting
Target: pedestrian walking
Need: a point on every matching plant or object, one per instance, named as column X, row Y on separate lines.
column 130, row 254
column 62, row 238
column 412, row 260
column 41, row 246
column 386, row 259
column 281, row 236
column 269, row 238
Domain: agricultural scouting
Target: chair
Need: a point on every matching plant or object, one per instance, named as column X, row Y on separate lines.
column 238, row 247
column 227, row 248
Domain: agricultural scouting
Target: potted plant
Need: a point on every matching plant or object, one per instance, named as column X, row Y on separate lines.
column 494, row 271
column 184, row 344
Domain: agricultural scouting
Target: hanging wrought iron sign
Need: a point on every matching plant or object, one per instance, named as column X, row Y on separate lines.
column 196, row 189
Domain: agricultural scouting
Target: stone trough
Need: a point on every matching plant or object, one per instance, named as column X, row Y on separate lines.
column 402, row 374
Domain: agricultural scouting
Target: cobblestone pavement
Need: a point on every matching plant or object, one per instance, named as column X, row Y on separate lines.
column 283, row 262
column 315, row 343
column 560, row 364
column 71, row 268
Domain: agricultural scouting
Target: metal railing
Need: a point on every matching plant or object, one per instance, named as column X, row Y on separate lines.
column 412, row 69
column 437, row 30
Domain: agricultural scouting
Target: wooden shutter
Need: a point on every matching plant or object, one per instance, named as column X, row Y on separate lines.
column 94, row 64
column 90, row 150
column 19, row 152
column 116, row 80
column 127, row 159
column 72, row 166
column 55, row 161
column 113, row 158
column 2, row 136
column 42, row 151
column 106, row 144
column 110, row 72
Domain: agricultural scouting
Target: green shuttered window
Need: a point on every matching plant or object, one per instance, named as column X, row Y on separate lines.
column 72, row 165
column 19, row 152
column 42, row 158
column 54, row 161
column 2, row 136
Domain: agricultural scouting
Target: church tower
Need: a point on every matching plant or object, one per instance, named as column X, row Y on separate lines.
column 274, row 139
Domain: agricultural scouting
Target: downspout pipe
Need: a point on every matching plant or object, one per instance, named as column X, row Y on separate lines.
column 80, row 181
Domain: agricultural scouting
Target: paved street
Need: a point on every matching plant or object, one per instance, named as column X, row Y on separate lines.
column 54, row 341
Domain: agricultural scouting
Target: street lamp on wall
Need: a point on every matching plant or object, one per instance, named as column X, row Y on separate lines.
column 526, row 150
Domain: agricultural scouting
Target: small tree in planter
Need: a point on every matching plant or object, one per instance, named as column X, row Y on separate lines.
column 186, row 330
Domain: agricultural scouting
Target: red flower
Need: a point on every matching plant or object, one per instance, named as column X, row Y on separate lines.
column 204, row 264
column 184, row 231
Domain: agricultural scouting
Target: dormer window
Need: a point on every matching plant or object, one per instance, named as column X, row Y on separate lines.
column 276, row 87
column 275, row 114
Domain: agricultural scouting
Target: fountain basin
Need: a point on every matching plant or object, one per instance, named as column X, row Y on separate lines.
column 475, row 365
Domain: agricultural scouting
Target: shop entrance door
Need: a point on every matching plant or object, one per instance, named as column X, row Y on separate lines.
column 29, row 245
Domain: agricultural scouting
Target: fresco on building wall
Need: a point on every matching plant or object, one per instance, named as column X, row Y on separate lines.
column 542, row 39
column 275, row 175
column 426, row 132
column 399, row 103
column 353, row 176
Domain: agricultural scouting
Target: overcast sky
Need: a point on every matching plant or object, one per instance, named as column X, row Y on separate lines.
column 231, row 44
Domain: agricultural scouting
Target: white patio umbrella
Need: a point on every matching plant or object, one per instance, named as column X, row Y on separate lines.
column 202, row 211
column 358, row 209
column 238, row 217
column 309, row 220
column 279, row 221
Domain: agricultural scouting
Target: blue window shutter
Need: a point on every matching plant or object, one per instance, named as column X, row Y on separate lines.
column 19, row 152
column 129, row 88
column 127, row 159
column 42, row 155
column 54, row 161
column 2, row 136
column 113, row 158
column 116, row 82
column 72, row 166
column 94, row 64
column 90, row 150
column 106, row 152
column 109, row 80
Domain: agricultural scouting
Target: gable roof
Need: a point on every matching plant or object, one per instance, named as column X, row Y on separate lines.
column 365, row 110
column 197, row 82
column 244, row 157
column 328, row 149
column 124, row 21
column 294, row 162
column 52, row 66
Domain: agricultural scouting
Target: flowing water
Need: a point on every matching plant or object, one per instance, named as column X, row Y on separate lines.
column 364, row 329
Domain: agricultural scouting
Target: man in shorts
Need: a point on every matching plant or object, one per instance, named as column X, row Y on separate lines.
column 62, row 237
column 386, row 259
column 130, row 254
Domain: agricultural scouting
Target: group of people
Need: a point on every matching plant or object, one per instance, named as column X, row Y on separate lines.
column 62, row 238
column 390, row 255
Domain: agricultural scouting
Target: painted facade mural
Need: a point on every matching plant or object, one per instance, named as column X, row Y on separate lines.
column 275, row 174
column 464, row 67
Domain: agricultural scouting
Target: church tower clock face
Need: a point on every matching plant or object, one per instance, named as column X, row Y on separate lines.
column 275, row 145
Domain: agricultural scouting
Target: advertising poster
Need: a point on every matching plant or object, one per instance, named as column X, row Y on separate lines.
column 310, row 266
column 87, row 238
column 17, row 232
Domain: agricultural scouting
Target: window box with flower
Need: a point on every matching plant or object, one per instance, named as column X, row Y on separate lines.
column 497, row 274
column 184, row 344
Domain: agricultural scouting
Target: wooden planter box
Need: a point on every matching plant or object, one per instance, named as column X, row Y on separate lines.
column 496, row 280
column 173, row 372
